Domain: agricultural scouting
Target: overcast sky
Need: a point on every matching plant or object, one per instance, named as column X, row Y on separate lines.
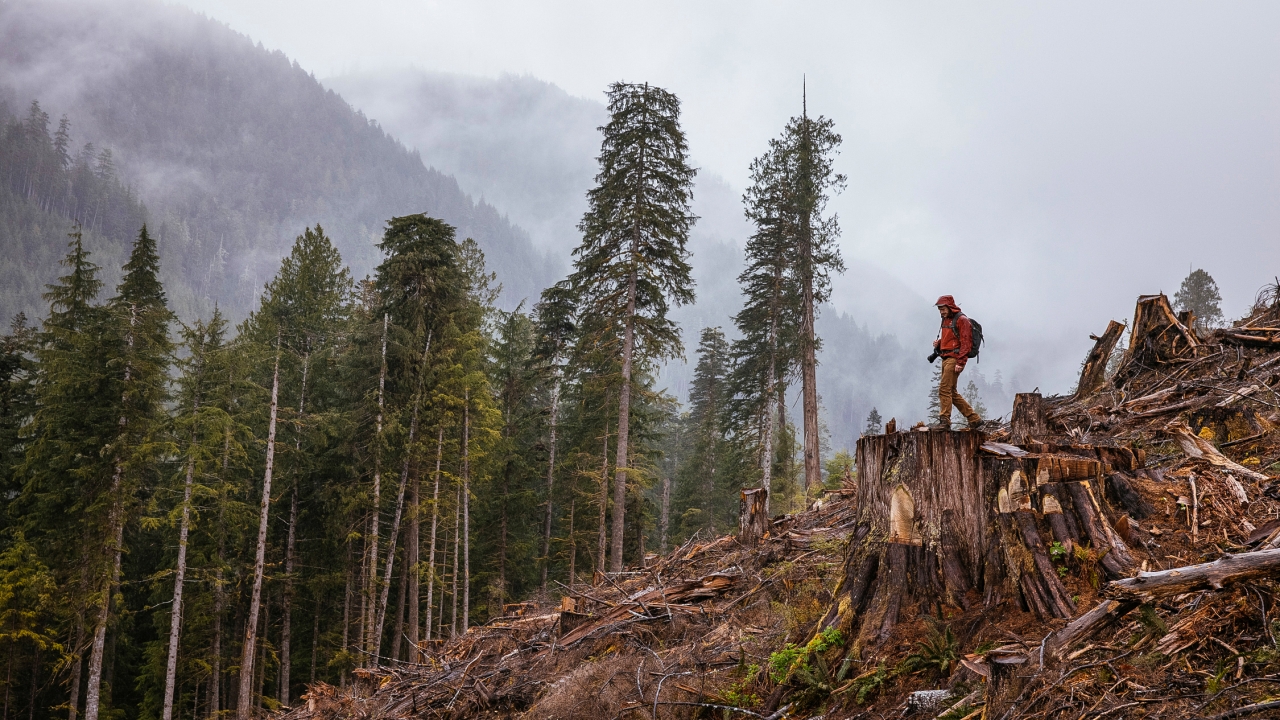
column 1045, row 162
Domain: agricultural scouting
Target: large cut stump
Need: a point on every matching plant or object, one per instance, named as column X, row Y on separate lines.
column 1158, row 337
column 943, row 522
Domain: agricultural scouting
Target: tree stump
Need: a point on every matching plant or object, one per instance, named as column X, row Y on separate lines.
column 1094, row 372
column 753, row 521
column 1156, row 337
column 1028, row 419
column 943, row 523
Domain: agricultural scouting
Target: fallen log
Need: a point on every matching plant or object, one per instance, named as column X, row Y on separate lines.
column 1226, row 570
column 1193, row 402
column 1239, row 338
column 1197, row 447
column 1104, row 615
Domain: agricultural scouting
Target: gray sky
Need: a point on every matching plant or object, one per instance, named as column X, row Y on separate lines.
column 1044, row 162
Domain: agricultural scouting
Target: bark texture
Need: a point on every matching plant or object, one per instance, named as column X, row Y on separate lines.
column 244, row 706
column 1028, row 419
column 753, row 519
column 945, row 522
column 1094, row 373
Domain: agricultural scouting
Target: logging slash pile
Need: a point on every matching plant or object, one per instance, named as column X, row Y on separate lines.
column 1111, row 553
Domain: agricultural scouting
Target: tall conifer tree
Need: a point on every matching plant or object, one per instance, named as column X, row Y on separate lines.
column 814, row 143
column 769, row 321
column 139, row 373
column 633, row 263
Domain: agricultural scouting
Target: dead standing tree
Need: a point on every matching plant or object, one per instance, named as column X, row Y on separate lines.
column 946, row 520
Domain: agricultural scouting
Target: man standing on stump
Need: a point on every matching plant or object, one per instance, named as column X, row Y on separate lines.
column 955, row 341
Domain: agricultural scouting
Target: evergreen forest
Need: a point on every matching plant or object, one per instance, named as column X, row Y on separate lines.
column 203, row 517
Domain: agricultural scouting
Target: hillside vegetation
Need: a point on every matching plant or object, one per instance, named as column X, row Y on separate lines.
column 231, row 147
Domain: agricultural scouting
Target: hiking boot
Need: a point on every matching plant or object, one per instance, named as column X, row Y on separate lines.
column 941, row 425
column 975, row 423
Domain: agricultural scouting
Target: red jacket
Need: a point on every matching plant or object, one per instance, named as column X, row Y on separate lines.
column 955, row 338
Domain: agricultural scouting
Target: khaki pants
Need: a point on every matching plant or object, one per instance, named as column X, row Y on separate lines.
column 947, row 394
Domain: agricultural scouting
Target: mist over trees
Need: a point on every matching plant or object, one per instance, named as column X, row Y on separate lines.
column 229, row 145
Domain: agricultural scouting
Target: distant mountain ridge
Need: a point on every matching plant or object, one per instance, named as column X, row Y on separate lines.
column 232, row 148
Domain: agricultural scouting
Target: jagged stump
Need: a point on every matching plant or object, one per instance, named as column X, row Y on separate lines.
column 945, row 523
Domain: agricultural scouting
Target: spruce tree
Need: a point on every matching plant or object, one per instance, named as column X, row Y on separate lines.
column 139, row 373
column 814, row 144
column 633, row 262
column 304, row 311
column 974, row 396
column 706, row 481
column 17, row 401
column 935, row 406
column 1199, row 295
column 555, row 325
column 874, row 424
column 769, row 321
column 201, row 423
column 61, row 505
column 518, row 390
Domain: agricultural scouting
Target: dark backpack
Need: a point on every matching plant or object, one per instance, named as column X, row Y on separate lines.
column 975, row 333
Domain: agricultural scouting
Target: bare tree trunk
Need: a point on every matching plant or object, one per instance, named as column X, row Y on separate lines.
column 93, row 695
column 604, row 503
column 175, row 617
column 551, row 479
column 771, row 386
column 788, row 466
column 809, row 380
column 346, row 612
column 573, row 544
column 286, row 599
column 431, row 554
column 412, row 563
column 315, row 641
column 215, row 676
column 624, row 426
column 466, row 510
column 261, row 670
column 77, row 668
column 244, row 704
column 457, row 541
column 665, row 520
column 808, row 343
column 401, row 599
column 395, row 523
column 502, row 540
column 371, row 572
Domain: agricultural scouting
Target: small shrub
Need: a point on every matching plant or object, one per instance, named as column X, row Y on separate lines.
column 870, row 684
column 939, row 651
column 781, row 661
column 1058, row 551
column 1155, row 627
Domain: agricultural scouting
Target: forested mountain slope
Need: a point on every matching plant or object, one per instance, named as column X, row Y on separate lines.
column 231, row 147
